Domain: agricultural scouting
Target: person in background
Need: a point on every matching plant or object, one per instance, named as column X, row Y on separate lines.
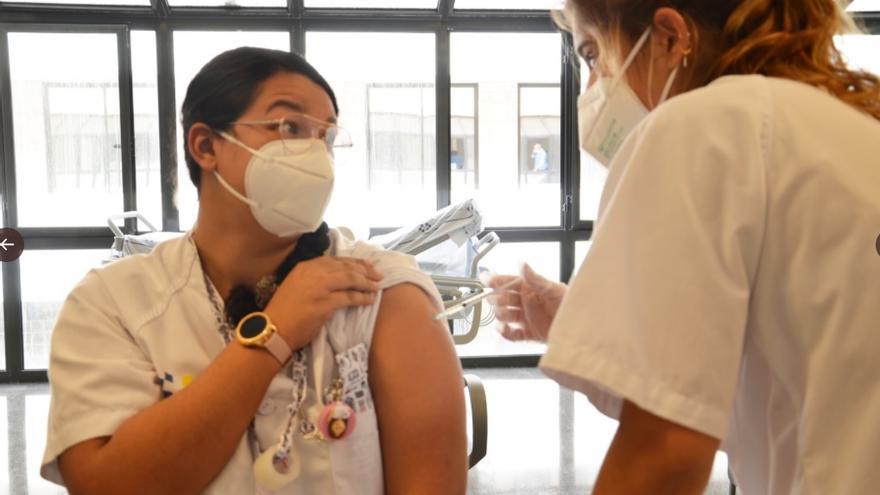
column 219, row 362
column 539, row 158
column 729, row 298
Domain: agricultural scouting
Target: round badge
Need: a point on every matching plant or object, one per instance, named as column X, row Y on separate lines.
column 337, row 421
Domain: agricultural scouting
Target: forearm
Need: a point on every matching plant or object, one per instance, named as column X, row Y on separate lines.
column 181, row 443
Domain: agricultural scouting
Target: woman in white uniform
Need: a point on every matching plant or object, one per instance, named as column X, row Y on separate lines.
column 730, row 296
column 261, row 352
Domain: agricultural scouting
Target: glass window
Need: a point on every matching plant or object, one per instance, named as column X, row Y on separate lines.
column 516, row 81
column 387, row 103
column 861, row 51
column 593, row 173
column 228, row 3
column 864, row 6
column 67, row 128
column 83, row 2
column 508, row 4
column 2, row 332
column 463, row 153
column 539, row 139
column 4, row 448
column 581, row 248
column 192, row 50
column 146, row 125
column 373, row 4
column 41, row 301
column 507, row 258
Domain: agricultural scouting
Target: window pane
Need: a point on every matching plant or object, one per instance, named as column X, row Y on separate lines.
column 67, row 130
column 373, row 4
column 463, row 153
column 861, row 51
column 516, row 81
column 4, row 448
column 2, row 332
column 507, row 258
column 508, row 4
column 864, row 6
column 192, row 50
column 387, row 103
column 83, row 2
column 41, row 301
column 146, row 125
column 593, row 173
column 228, row 3
column 539, row 140
column 581, row 248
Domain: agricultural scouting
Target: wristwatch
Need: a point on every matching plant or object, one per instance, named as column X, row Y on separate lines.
column 257, row 330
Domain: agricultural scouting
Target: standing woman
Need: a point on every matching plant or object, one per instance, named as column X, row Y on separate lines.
column 730, row 297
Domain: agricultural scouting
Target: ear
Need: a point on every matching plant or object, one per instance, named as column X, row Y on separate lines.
column 201, row 143
column 671, row 36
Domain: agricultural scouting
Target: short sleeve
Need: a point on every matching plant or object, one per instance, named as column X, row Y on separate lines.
column 98, row 374
column 657, row 313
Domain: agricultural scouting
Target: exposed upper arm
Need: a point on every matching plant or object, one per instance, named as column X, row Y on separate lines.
column 649, row 452
column 75, row 463
column 418, row 388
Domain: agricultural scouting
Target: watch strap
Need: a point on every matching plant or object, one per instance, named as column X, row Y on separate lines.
column 277, row 346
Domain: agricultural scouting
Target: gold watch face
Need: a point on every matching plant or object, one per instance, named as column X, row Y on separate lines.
column 254, row 329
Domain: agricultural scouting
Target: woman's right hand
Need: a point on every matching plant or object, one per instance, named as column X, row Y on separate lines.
column 317, row 288
column 527, row 308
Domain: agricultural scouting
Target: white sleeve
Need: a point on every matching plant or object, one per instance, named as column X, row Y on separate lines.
column 99, row 376
column 658, row 311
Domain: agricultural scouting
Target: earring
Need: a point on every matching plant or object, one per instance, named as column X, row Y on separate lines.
column 684, row 62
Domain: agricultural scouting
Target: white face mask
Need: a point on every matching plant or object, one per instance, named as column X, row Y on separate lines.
column 287, row 184
column 609, row 110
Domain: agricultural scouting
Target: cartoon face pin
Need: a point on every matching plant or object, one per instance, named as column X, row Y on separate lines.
column 337, row 421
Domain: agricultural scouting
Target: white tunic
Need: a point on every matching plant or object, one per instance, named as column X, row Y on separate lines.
column 733, row 284
column 145, row 326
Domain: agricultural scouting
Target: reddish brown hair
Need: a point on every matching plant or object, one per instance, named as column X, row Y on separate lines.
column 792, row 39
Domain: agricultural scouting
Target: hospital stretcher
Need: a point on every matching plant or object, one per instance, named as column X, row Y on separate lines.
column 446, row 246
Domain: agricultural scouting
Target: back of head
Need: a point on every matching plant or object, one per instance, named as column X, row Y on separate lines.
column 791, row 39
column 225, row 87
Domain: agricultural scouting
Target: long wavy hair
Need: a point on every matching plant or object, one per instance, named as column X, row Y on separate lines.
column 792, row 39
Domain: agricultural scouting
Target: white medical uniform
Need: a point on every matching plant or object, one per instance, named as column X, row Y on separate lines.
column 733, row 284
column 144, row 327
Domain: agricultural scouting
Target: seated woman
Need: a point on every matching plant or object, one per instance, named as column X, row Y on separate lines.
column 234, row 360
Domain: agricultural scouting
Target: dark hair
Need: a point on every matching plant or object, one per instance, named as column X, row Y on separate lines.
column 219, row 94
column 243, row 300
column 226, row 86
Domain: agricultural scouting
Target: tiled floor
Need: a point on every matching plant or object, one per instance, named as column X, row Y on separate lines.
column 542, row 439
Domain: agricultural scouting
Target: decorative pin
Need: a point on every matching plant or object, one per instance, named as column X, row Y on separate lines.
column 275, row 468
column 337, row 419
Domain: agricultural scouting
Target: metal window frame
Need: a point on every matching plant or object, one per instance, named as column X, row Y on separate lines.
column 294, row 18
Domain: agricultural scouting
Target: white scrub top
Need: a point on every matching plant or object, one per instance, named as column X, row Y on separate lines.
column 733, row 284
column 143, row 328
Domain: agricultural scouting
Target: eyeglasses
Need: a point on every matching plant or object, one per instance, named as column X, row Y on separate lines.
column 296, row 125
